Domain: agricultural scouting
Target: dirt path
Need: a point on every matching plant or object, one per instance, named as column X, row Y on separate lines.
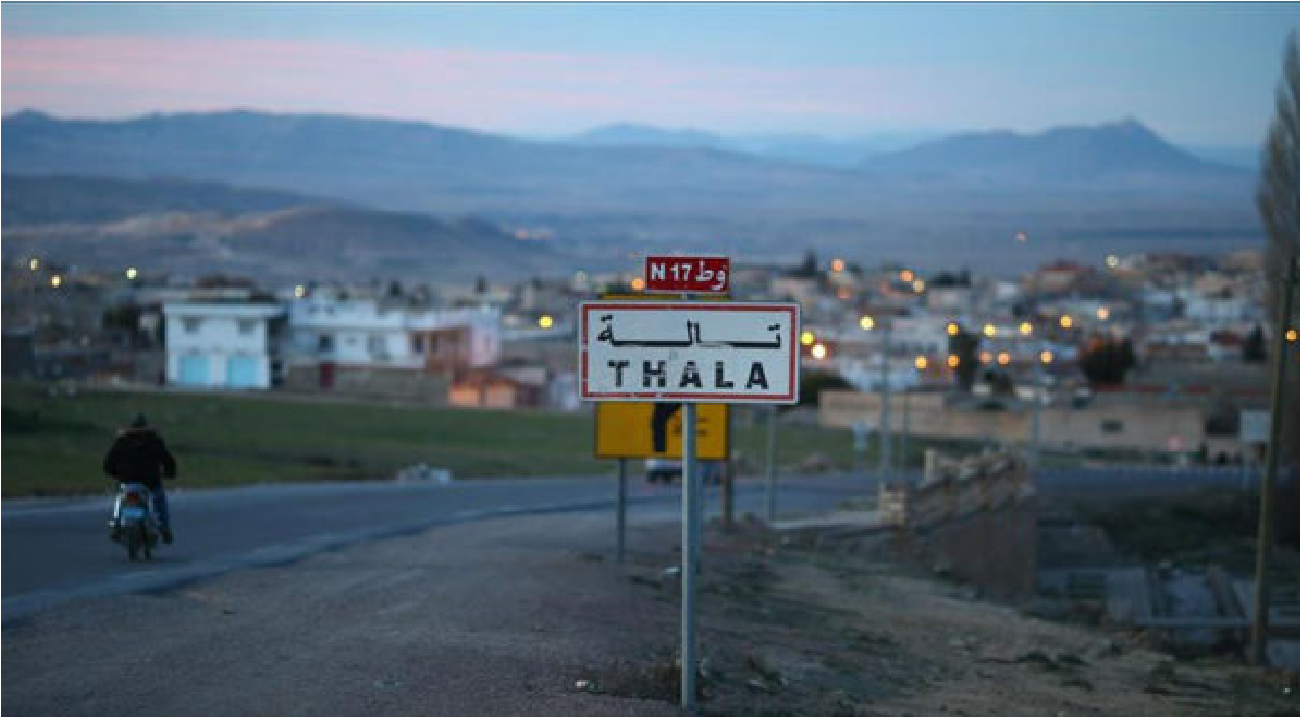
column 529, row 616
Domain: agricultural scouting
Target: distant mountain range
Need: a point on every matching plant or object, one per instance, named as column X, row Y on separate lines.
column 634, row 188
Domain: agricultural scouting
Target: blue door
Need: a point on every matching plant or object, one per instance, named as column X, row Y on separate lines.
column 241, row 372
column 194, row 371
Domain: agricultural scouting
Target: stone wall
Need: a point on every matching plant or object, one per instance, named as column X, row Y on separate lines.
column 974, row 518
column 1144, row 427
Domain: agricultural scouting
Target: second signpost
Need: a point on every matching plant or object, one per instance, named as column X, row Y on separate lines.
column 688, row 352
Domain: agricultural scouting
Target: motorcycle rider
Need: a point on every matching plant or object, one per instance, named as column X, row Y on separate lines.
column 138, row 455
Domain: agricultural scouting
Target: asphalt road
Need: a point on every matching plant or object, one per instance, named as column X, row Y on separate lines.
column 57, row 551
column 53, row 552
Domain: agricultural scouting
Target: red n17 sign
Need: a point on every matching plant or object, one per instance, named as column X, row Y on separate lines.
column 681, row 274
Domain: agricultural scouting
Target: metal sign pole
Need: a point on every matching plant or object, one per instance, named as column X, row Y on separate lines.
column 622, row 507
column 690, row 536
column 771, row 464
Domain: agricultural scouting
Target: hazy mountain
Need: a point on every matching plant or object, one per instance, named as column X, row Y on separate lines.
column 1076, row 190
column 1240, row 157
column 36, row 201
column 812, row 149
column 196, row 227
column 1110, row 152
column 627, row 134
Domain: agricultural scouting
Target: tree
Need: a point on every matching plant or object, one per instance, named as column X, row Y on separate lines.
column 1279, row 208
column 1253, row 349
column 965, row 346
column 1105, row 361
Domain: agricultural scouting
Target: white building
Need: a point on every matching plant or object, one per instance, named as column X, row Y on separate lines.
column 220, row 344
column 368, row 332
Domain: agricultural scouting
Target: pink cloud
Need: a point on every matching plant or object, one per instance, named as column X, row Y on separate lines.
column 113, row 76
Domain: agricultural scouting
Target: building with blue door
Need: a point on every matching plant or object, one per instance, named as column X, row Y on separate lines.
column 220, row 344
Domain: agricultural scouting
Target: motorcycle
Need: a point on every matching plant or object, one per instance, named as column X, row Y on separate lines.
column 134, row 524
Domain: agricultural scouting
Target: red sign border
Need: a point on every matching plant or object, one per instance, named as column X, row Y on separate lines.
column 645, row 271
column 586, row 307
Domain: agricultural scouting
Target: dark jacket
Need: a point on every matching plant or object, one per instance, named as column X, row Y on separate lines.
column 139, row 456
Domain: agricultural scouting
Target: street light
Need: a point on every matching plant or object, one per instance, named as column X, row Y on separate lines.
column 990, row 330
column 1026, row 328
column 1103, row 313
column 819, row 351
column 920, row 363
column 1004, row 358
column 907, row 276
column 1291, row 335
column 953, row 328
column 546, row 321
column 807, row 338
column 131, row 273
column 1067, row 321
column 56, row 281
column 34, row 264
column 954, row 360
column 638, row 284
column 837, row 265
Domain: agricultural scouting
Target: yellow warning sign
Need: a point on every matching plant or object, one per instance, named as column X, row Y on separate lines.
column 654, row 430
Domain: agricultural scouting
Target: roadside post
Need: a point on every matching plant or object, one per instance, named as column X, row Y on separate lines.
column 622, row 508
column 688, row 353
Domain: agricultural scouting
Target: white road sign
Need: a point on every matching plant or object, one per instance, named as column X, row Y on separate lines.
column 694, row 352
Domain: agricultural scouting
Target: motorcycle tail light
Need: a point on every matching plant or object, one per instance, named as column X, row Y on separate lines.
column 133, row 500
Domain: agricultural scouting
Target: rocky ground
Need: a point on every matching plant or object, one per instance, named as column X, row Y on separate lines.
column 532, row 616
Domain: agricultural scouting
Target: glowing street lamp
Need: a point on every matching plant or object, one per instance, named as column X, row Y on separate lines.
column 986, row 357
column 299, row 291
column 1026, row 328
column 954, row 360
column 1004, row 358
column 990, row 330
column 920, row 363
column 819, row 351
column 132, row 273
column 545, row 321
column 918, row 286
column 1045, row 357
column 56, row 281
column 638, row 284
column 1112, row 261
column 1103, row 313
column 837, row 265
column 1291, row 335
column 953, row 328
column 1067, row 321
column 34, row 264
column 867, row 323
column 907, row 276
column 807, row 338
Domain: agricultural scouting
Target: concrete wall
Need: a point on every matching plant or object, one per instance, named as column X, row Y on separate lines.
column 1150, row 427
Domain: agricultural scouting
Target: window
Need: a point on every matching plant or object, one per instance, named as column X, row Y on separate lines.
column 191, row 325
column 246, row 327
column 1112, row 425
column 325, row 343
column 377, row 346
column 417, row 344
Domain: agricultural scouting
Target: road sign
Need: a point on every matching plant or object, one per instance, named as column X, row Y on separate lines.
column 687, row 274
column 654, row 430
column 697, row 352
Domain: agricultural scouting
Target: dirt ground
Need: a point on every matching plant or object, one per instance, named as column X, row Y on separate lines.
column 531, row 616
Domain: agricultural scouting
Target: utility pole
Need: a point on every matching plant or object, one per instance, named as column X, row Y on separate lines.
column 1264, row 543
column 884, row 404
